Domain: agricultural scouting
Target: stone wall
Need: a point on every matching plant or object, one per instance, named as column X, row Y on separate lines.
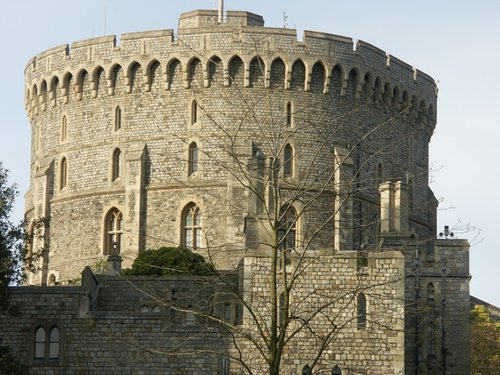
column 128, row 327
column 356, row 98
column 325, row 296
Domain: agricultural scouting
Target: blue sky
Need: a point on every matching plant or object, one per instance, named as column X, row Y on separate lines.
column 456, row 42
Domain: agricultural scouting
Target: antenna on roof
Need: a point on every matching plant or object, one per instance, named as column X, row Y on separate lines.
column 285, row 20
column 221, row 11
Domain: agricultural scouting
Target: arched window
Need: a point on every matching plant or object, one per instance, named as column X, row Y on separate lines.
column 118, row 118
column 430, row 293
column 192, row 227
column 40, row 337
column 288, row 161
column 63, row 174
column 287, row 229
column 52, row 279
column 193, row 158
column 117, row 164
column 194, row 112
column 361, row 310
column 114, row 231
column 47, row 347
column 336, row 371
column 289, row 111
column 306, row 370
column 64, row 129
column 54, row 342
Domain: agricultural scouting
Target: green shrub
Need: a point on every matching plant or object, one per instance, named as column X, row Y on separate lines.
column 170, row 261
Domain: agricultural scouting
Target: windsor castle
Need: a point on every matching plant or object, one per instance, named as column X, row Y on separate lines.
column 236, row 141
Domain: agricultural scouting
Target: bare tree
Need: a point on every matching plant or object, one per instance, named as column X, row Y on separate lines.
column 299, row 293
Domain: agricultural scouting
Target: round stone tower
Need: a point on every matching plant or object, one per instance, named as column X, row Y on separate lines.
column 163, row 139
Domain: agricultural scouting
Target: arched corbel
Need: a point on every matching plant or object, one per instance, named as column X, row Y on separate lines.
column 111, row 88
column 166, row 76
column 128, row 85
column 328, row 77
column 308, row 77
column 78, row 91
column 146, row 80
column 225, row 75
column 41, row 101
column 247, row 74
column 359, row 86
column 288, row 77
column 206, row 81
column 345, row 80
column 267, row 75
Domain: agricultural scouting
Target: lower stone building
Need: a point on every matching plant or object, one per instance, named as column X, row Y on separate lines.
column 351, row 315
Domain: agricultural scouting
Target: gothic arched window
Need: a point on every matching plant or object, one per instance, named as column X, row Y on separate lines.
column 191, row 220
column 47, row 347
column 194, row 112
column 289, row 111
column 54, row 342
column 113, row 232
column 336, row 371
column 63, row 174
column 118, row 118
column 287, row 229
column 64, row 129
column 40, row 336
column 288, row 161
column 193, row 158
column 116, row 164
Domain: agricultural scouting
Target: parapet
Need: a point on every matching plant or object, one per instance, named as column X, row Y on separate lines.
column 207, row 18
column 372, row 71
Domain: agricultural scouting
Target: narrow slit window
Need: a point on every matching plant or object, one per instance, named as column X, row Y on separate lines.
column 194, row 112
column 288, row 161
column 193, row 159
column 289, row 111
column 117, row 164
column 63, row 175
column 64, row 129
column 118, row 118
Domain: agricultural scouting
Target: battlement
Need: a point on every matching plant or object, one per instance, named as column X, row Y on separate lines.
column 207, row 18
column 375, row 73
